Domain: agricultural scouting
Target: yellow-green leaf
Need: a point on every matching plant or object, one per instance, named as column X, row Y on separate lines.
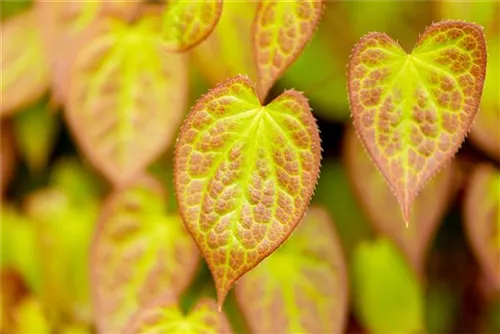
column 24, row 66
column 412, row 111
column 228, row 50
column 383, row 209
column 36, row 131
column 300, row 288
column 164, row 316
column 281, row 30
column 482, row 219
column 126, row 99
column 138, row 253
column 29, row 317
column 244, row 175
column 387, row 295
column 187, row 23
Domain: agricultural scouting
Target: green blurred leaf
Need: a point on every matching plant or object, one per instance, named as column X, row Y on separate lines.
column 36, row 130
column 29, row 317
column 388, row 297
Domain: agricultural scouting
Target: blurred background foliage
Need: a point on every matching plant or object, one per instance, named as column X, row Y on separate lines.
column 52, row 196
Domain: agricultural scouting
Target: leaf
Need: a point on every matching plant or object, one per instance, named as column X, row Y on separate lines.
column 36, row 131
column 387, row 294
column 412, row 111
column 186, row 23
column 383, row 209
column 281, row 31
column 244, row 175
column 481, row 212
column 228, row 50
column 29, row 317
column 7, row 155
column 126, row 99
column 165, row 317
column 302, row 287
column 138, row 253
column 24, row 67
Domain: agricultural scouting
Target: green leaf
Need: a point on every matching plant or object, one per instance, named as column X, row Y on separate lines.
column 165, row 317
column 280, row 33
column 127, row 98
column 412, row 111
column 244, row 175
column 228, row 50
column 24, row 67
column 482, row 219
column 387, row 294
column 36, row 131
column 383, row 209
column 300, row 288
column 138, row 253
column 7, row 156
column 186, row 23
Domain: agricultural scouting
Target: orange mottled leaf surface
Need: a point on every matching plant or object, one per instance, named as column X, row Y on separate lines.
column 302, row 287
column 126, row 99
column 412, row 111
column 165, row 316
column 138, row 253
column 382, row 207
column 482, row 219
column 24, row 65
column 244, row 175
column 186, row 23
column 280, row 33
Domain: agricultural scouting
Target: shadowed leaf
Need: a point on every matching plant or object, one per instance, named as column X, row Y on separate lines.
column 7, row 156
column 482, row 219
column 244, row 175
column 412, row 111
column 36, row 131
column 383, row 209
column 302, row 286
column 126, row 99
column 387, row 294
column 138, row 253
column 228, row 50
column 24, row 67
column 281, row 30
column 166, row 317
column 187, row 23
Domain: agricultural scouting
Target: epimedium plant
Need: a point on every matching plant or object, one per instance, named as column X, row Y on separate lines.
column 246, row 163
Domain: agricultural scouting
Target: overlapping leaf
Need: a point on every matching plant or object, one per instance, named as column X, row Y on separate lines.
column 412, row 111
column 228, row 50
column 387, row 294
column 244, row 175
column 7, row 156
column 35, row 130
column 383, row 208
column 138, row 253
column 24, row 66
column 164, row 316
column 482, row 219
column 281, row 30
column 302, row 287
column 187, row 23
column 126, row 100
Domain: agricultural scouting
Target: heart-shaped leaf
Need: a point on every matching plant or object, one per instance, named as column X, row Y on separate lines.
column 24, row 66
column 383, row 209
column 302, row 287
column 126, row 100
column 412, row 111
column 138, row 253
column 228, row 50
column 244, row 175
column 280, row 33
column 187, row 23
column 482, row 219
column 164, row 316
